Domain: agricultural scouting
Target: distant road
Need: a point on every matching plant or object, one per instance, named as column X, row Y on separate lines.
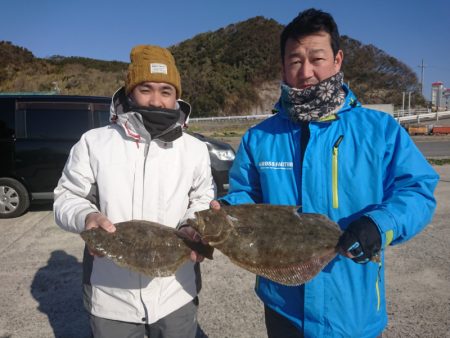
column 433, row 146
column 430, row 146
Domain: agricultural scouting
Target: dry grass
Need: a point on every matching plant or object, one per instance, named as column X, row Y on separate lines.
column 217, row 129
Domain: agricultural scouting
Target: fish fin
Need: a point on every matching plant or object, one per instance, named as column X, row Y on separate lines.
column 293, row 274
column 198, row 246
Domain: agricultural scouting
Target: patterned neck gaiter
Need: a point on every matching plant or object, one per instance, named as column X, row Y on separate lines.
column 315, row 102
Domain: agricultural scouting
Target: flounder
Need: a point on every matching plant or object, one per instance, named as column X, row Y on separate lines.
column 146, row 247
column 272, row 241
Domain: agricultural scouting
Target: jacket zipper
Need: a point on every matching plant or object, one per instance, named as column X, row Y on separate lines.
column 304, row 139
column 377, row 287
column 334, row 173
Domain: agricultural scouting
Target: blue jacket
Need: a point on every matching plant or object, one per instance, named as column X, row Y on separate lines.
column 362, row 162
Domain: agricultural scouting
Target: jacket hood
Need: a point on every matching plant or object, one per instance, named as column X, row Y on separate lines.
column 132, row 122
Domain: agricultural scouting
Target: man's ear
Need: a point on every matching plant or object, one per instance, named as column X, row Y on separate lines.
column 283, row 76
column 338, row 60
column 130, row 101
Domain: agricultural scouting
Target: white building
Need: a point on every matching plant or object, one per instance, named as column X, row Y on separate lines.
column 446, row 99
column 437, row 91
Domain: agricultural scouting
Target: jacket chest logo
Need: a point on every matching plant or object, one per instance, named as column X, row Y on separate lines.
column 275, row 165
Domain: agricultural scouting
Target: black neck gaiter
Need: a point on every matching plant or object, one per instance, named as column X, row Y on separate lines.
column 158, row 120
column 161, row 123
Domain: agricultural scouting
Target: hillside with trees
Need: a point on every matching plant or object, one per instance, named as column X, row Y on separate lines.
column 232, row 71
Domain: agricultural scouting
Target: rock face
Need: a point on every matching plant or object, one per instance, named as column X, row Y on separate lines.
column 269, row 93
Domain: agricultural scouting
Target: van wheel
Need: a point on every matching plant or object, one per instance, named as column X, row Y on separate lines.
column 14, row 198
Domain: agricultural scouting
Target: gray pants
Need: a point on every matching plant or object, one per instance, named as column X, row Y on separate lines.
column 180, row 323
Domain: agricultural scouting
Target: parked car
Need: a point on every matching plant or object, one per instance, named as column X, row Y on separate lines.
column 222, row 155
column 37, row 133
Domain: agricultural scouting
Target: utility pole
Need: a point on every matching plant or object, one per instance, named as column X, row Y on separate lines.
column 403, row 103
column 409, row 103
column 422, row 66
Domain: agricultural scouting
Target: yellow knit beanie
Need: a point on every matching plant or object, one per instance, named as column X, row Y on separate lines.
column 153, row 64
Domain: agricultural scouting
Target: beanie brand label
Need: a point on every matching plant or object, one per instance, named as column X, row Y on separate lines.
column 158, row 68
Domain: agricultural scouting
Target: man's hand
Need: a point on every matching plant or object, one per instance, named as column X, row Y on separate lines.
column 215, row 204
column 361, row 241
column 98, row 220
column 195, row 243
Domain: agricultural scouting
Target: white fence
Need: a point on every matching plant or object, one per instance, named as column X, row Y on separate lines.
column 228, row 118
column 418, row 117
column 413, row 116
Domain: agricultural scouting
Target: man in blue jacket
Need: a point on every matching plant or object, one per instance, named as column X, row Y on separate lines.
column 325, row 152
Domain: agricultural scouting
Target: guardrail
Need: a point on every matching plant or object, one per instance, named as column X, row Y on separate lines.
column 423, row 117
column 406, row 112
column 405, row 118
column 227, row 118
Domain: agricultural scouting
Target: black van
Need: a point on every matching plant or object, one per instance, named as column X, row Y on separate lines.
column 37, row 133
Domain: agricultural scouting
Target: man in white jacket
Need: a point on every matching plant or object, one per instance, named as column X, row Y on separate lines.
column 141, row 166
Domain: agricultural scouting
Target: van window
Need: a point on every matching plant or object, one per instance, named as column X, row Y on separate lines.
column 7, row 111
column 53, row 121
column 56, row 124
column 103, row 118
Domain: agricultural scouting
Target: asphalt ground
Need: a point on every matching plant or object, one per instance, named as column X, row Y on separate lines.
column 433, row 146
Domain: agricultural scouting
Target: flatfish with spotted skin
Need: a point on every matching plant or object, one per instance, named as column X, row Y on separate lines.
column 272, row 241
column 145, row 247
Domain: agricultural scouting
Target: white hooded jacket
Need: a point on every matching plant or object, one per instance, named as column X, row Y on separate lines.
column 133, row 177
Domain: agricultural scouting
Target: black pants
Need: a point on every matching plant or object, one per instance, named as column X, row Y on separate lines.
column 278, row 326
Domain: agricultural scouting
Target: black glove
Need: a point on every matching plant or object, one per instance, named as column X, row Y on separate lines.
column 223, row 202
column 362, row 239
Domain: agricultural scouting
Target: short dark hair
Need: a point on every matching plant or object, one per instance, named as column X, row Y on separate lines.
column 309, row 22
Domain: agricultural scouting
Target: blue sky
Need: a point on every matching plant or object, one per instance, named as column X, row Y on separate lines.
column 410, row 30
